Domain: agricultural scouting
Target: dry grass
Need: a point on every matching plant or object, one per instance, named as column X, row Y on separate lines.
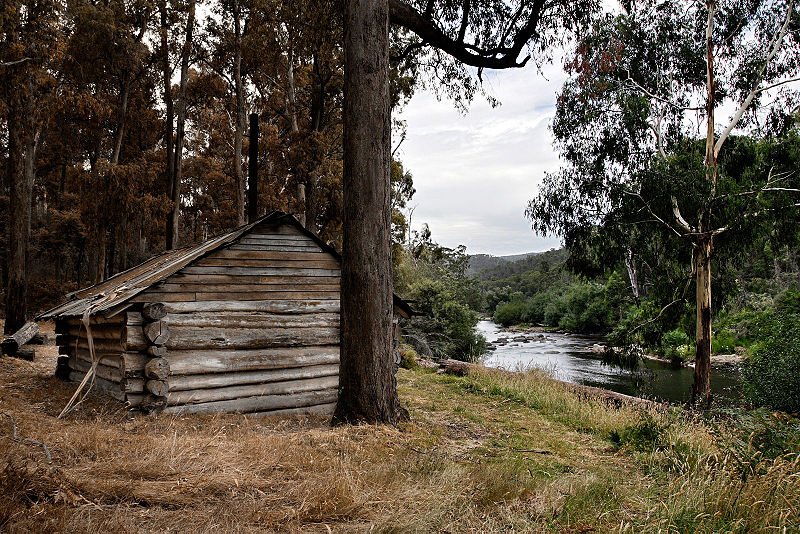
column 486, row 453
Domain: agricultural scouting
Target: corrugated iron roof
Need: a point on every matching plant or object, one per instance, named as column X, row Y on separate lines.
column 127, row 284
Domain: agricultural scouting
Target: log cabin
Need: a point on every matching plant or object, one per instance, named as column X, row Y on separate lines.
column 244, row 322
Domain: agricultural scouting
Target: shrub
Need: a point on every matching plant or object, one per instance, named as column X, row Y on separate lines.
column 644, row 435
column 448, row 327
column 676, row 346
column 723, row 342
column 772, row 374
column 509, row 313
column 408, row 357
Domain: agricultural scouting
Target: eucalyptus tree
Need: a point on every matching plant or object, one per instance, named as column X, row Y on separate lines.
column 645, row 83
column 444, row 38
column 29, row 39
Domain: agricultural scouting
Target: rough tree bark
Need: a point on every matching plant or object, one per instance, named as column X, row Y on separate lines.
column 181, row 125
column 166, row 73
column 368, row 390
column 19, row 214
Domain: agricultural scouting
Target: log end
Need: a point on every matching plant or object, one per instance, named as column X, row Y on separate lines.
column 154, row 311
column 159, row 388
column 157, row 369
column 62, row 368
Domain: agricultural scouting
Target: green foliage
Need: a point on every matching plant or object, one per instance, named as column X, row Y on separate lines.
column 433, row 277
column 676, row 346
column 723, row 342
column 449, row 323
column 772, row 373
column 580, row 307
column 509, row 313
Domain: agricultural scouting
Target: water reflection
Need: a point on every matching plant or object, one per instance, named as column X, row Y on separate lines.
column 569, row 358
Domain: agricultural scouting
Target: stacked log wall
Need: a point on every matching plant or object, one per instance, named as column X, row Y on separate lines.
column 118, row 343
column 253, row 327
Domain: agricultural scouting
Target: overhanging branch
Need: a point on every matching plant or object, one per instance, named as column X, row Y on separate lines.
column 501, row 57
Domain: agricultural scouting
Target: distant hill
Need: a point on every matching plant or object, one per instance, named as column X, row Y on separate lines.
column 479, row 262
column 519, row 263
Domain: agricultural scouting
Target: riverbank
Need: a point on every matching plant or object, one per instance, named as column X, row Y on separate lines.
column 488, row 452
column 578, row 359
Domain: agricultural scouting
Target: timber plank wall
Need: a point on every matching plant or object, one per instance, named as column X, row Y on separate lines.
column 252, row 327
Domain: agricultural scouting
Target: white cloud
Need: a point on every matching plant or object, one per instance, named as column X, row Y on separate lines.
column 475, row 173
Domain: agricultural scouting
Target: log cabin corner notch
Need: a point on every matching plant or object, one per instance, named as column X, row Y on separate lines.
column 247, row 321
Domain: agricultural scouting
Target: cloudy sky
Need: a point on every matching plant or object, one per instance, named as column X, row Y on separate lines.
column 475, row 173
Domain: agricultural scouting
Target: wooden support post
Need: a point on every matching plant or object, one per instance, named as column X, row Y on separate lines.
column 62, row 368
column 252, row 171
column 301, row 196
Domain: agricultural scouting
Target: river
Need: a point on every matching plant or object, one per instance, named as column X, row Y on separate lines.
column 569, row 357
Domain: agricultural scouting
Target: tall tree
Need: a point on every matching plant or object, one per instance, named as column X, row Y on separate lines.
column 30, row 37
column 472, row 33
column 169, row 119
column 644, row 83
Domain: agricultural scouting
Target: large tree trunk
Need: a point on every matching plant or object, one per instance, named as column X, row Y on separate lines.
column 181, row 125
column 238, row 131
column 701, row 389
column 368, row 390
column 166, row 72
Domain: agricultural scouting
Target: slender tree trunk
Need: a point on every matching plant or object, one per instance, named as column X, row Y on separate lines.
column 123, row 112
column 238, row 132
column 252, row 170
column 166, row 72
column 98, row 262
column 312, row 208
column 701, row 389
column 181, row 125
column 368, row 389
column 632, row 274
column 291, row 93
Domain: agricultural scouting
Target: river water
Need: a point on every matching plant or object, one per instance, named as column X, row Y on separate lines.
column 569, row 357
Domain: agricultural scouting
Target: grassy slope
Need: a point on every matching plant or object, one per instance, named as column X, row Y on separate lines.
column 489, row 452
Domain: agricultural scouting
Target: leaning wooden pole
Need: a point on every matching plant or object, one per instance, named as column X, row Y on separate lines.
column 252, row 171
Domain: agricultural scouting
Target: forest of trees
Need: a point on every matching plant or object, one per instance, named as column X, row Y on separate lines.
column 116, row 112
